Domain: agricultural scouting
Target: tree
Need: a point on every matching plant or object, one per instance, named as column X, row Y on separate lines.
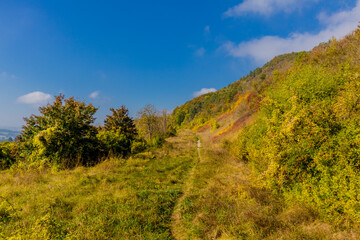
column 62, row 134
column 148, row 121
column 118, row 134
column 121, row 122
column 164, row 120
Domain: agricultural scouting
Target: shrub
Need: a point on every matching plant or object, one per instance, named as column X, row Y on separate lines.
column 6, row 154
column 118, row 133
column 157, row 141
column 214, row 125
column 138, row 146
column 114, row 143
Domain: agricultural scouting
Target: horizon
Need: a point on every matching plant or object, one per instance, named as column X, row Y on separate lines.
column 162, row 53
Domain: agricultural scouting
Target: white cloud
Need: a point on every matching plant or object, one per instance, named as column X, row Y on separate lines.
column 265, row 7
column 200, row 52
column 94, row 95
column 35, row 98
column 264, row 49
column 204, row 91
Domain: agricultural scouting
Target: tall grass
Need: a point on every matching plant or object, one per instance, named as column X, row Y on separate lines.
column 224, row 201
column 117, row 199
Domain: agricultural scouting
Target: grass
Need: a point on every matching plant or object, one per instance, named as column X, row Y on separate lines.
column 169, row 193
column 117, row 199
column 223, row 200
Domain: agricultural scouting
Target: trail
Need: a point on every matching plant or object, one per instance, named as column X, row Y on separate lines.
column 176, row 216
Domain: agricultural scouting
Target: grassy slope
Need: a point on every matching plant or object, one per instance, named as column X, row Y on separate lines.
column 117, row 199
column 224, row 201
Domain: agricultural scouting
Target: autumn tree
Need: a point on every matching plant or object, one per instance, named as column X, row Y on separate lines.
column 120, row 121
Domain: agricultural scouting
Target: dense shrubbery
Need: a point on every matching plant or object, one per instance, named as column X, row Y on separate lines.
column 6, row 154
column 63, row 135
column 305, row 142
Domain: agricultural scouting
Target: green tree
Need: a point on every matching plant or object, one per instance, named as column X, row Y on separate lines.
column 62, row 134
column 118, row 134
column 121, row 122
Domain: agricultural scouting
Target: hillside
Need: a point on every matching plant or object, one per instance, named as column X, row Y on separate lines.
column 294, row 125
column 240, row 96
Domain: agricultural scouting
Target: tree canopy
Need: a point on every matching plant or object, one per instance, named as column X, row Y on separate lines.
column 62, row 134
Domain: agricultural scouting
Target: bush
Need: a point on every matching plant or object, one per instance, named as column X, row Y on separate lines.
column 114, row 143
column 138, row 146
column 157, row 141
column 305, row 140
column 118, row 133
column 214, row 125
column 6, row 154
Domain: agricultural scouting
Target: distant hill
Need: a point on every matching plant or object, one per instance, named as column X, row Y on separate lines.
column 6, row 134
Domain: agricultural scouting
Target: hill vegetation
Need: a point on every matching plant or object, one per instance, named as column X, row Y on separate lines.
column 296, row 128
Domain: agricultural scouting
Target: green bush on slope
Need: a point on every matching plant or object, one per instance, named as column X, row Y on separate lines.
column 6, row 154
column 305, row 141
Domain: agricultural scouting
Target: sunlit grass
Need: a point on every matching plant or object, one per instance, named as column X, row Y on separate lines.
column 224, row 201
column 117, row 199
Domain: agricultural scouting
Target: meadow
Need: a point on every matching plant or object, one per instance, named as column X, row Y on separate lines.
column 116, row 199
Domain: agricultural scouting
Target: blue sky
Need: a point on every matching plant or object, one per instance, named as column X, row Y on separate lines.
column 133, row 53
